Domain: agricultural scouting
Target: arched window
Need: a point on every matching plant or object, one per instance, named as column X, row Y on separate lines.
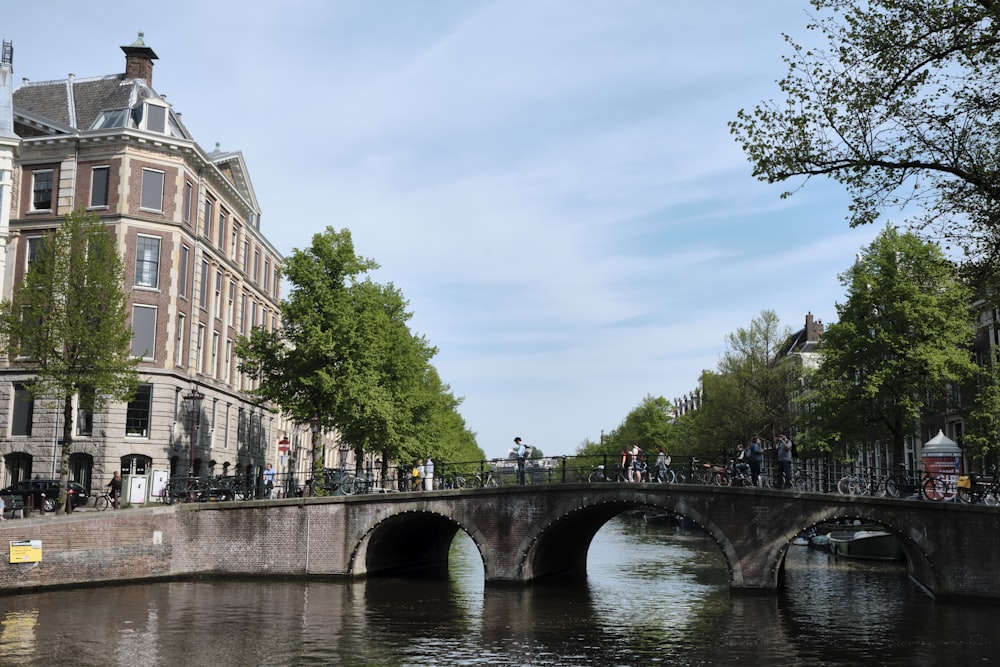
column 81, row 469
column 18, row 466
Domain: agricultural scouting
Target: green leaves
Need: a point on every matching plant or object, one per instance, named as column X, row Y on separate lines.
column 345, row 355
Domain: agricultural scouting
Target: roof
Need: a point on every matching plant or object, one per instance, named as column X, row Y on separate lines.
column 76, row 104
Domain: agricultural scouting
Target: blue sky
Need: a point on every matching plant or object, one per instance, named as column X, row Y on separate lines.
column 551, row 183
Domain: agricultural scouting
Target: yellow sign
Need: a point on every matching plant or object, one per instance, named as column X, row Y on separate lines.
column 26, row 551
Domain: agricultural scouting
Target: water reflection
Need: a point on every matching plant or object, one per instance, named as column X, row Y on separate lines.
column 652, row 595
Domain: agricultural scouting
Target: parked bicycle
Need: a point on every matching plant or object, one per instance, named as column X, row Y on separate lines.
column 484, row 479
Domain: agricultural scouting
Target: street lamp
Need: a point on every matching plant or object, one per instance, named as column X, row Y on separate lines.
column 193, row 403
column 344, row 449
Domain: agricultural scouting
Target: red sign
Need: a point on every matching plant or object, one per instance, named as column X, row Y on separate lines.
column 283, row 445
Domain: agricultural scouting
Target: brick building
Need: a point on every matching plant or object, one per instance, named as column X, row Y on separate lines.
column 199, row 271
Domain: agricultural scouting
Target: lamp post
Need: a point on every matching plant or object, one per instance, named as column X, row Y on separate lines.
column 193, row 403
column 344, row 449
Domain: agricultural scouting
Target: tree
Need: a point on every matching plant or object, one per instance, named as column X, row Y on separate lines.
column 648, row 424
column 902, row 338
column 750, row 393
column 344, row 356
column 901, row 108
column 982, row 429
column 69, row 319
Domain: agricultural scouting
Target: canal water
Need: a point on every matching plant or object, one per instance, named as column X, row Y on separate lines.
column 654, row 595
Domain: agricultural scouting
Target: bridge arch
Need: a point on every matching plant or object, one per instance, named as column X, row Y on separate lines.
column 403, row 541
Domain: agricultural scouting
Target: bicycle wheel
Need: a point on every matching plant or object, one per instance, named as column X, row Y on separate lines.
column 892, row 487
column 844, row 485
column 347, row 485
column 102, row 503
column 491, row 481
column 722, row 478
column 966, row 495
column 935, row 488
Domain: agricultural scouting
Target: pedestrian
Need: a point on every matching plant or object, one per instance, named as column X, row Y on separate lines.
column 625, row 465
column 635, row 473
column 784, row 447
column 662, row 461
column 269, row 474
column 415, row 474
column 755, row 460
column 740, row 465
column 116, row 488
column 428, row 474
column 519, row 451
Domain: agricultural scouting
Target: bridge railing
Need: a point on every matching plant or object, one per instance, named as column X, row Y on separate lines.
column 814, row 475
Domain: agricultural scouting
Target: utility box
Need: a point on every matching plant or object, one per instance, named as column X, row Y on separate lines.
column 135, row 489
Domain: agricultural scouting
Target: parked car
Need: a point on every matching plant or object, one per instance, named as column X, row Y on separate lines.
column 44, row 493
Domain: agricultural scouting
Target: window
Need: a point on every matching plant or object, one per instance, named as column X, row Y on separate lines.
column 232, row 301
column 246, row 255
column 34, row 247
column 235, row 242
column 137, row 414
column 253, row 316
column 274, row 283
column 222, row 231
column 111, row 118
column 143, row 331
column 201, row 347
column 218, row 294
column 256, row 266
column 147, row 262
column 24, row 407
column 42, row 189
column 99, row 186
column 151, row 198
column 267, row 274
column 135, row 464
column 85, row 412
column 203, row 294
column 207, row 222
column 215, row 354
column 179, row 345
column 182, row 282
column 228, row 371
column 188, row 201
column 243, row 314
column 156, row 118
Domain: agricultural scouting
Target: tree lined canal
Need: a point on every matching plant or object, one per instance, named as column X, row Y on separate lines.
column 654, row 594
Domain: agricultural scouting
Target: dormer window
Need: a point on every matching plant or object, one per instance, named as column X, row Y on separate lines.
column 155, row 118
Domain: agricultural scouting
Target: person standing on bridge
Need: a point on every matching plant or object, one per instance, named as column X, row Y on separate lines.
column 784, row 447
column 269, row 473
column 428, row 474
column 521, row 452
column 756, row 460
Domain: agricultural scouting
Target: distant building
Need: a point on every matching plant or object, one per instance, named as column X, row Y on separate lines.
column 199, row 272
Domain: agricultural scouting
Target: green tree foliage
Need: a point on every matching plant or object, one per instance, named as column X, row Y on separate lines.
column 69, row 320
column 982, row 428
column 902, row 338
column 899, row 105
column 648, row 424
column 345, row 356
column 750, row 393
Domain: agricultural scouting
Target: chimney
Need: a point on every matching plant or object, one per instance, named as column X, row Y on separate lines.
column 139, row 61
column 814, row 330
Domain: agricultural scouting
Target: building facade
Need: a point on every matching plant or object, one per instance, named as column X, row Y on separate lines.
column 199, row 272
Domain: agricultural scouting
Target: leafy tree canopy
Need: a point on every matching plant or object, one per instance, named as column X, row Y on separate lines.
column 68, row 323
column 899, row 104
column 902, row 338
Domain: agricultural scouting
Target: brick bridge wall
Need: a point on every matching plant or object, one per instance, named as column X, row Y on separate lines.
column 522, row 533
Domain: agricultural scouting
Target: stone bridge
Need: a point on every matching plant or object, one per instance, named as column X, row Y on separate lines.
column 522, row 533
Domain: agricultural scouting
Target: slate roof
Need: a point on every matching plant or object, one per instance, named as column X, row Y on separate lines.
column 77, row 103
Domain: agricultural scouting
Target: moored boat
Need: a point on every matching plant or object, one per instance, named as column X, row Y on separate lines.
column 867, row 544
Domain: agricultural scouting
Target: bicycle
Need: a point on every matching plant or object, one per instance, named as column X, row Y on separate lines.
column 484, row 479
column 103, row 502
column 454, row 481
